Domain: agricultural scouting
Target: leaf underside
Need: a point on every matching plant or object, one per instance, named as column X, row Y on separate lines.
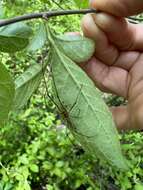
column 88, row 116
column 71, row 44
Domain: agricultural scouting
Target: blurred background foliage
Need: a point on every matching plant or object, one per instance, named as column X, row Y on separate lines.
column 37, row 152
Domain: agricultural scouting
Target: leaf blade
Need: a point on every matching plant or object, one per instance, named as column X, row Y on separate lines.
column 26, row 84
column 98, row 128
column 14, row 37
column 38, row 39
column 77, row 48
column 7, row 92
column 12, row 44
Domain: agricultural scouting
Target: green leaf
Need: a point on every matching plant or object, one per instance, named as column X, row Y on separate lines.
column 138, row 187
column 12, row 44
column 23, row 159
column 26, row 186
column 34, row 168
column 7, row 92
column 26, row 84
column 1, row 10
column 49, row 187
column 82, row 3
column 77, row 48
column 8, row 186
column 83, row 108
column 1, row 185
column 23, row 185
column 38, row 39
column 18, row 29
column 14, row 37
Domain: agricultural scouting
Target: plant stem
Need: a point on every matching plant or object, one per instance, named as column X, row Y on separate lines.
column 45, row 15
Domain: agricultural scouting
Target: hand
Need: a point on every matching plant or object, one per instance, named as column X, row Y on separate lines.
column 117, row 65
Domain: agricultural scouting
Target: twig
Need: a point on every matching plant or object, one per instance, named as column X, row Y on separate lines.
column 44, row 15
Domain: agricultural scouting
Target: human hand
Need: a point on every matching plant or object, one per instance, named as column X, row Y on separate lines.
column 117, row 65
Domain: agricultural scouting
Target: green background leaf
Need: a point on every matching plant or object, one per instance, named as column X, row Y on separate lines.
column 1, row 10
column 7, row 91
column 82, row 3
column 18, row 29
column 38, row 39
column 26, row 84
column 14, row 37
column 139, row 186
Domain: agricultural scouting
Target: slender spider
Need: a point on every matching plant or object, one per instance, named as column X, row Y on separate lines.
column 64, row 110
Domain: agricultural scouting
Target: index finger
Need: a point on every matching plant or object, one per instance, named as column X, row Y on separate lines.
column 120, row 8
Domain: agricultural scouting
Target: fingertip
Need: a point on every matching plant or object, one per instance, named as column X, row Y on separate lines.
column 103, row 20
column 91, row 30
column 85, row 22
column 88, row 25
column 104, row 50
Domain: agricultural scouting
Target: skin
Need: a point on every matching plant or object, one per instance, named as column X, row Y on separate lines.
column 117, row 65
